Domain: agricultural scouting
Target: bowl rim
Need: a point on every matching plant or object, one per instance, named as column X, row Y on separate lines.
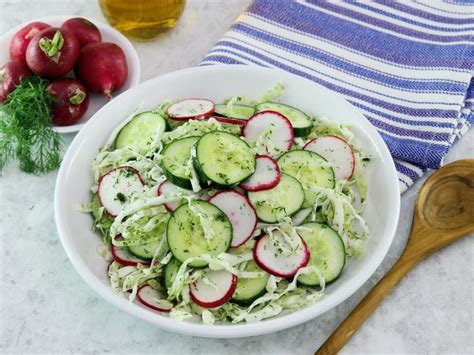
column 129, row 49
column 231, row 330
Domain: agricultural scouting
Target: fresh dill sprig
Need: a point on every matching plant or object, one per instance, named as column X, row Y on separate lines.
column 25, row 128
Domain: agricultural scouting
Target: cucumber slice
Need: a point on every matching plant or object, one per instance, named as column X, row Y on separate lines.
column 186, row 237
column 300, row 121
column 175, row 161
column 248, row 290
column 144, row 251
column 170, row 271
column 242, row 112
column 223, row 159
column 327, row 252
column 283, row 200
column 310, row 169
column 141, row 131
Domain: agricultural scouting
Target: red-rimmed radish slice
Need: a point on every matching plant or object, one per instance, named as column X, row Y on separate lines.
column 153, row 299
column 220, row 289
column 116, row 187
column 240, row 212
column 235, row 121
column 266, row 176
column 337, row 151
column 191, row 109
column 167, row 187
column 279, row 264
column 123, row 256
column 281, row 135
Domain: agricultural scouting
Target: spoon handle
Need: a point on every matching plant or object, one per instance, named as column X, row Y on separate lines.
column 364, row 309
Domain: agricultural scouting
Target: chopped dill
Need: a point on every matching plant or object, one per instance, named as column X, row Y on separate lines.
column 26, row 133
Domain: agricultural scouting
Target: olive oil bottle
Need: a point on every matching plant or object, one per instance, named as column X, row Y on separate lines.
column 142, row 19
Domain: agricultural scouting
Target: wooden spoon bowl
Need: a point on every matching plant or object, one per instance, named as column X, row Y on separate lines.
column 444, row 212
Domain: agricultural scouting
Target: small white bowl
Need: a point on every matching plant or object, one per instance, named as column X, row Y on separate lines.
column 109, row 34
column 218, row 83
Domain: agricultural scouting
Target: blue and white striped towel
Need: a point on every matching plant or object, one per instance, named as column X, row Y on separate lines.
column 408, row 66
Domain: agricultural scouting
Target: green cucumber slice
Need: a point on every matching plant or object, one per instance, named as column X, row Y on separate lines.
column 248, row 290
column 186, row 237
column 141, row 131
column 144, row 251
column 242, row 112
column 170, row 271
column 283, row 200
column 175, row 161
column 310, row 169
column 223, row 159
column 327, row 252
column 300, row 121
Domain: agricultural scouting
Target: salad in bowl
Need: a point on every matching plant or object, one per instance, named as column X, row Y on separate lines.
column 230, row 211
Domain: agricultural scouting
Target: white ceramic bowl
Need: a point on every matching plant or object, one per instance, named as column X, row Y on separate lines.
column 218, row 83
column 109, row 34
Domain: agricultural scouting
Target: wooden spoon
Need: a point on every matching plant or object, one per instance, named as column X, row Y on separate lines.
column 444, row 212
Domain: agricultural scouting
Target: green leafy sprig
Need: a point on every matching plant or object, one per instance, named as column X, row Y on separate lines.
column 26, row 133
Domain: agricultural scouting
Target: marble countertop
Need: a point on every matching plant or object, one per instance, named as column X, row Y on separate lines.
column 45, row 307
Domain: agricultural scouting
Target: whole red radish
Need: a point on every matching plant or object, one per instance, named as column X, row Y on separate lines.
column 70, row 101
column 22, row 38
column 102, row 67
column 84, row 30
column 52, row 53
column 11, row 75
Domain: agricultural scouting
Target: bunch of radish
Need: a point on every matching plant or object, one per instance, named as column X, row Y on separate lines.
column 72, row 57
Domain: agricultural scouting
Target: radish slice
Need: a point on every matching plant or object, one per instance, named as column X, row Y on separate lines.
column 278, row 128
column 167, row 187
column 216, row 292
column 266, row 176
column 337, row 151
column 240, row 212
column 153, row 299
column 279, row 264
column 191, row 109
column 124, row 257
column 116, row 187
column 235, row 121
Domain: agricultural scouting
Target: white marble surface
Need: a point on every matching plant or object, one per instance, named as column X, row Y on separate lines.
column 45, row 307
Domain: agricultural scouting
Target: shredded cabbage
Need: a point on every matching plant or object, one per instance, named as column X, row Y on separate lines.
column 130, row 278
column 181, row 313
column 273, row 94
column 204, row 219
column 322, row 126
column 194, row 128
column 285, row 239
column 145, row 226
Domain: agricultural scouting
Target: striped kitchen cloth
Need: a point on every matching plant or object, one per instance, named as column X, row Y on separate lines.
column 408, row 66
